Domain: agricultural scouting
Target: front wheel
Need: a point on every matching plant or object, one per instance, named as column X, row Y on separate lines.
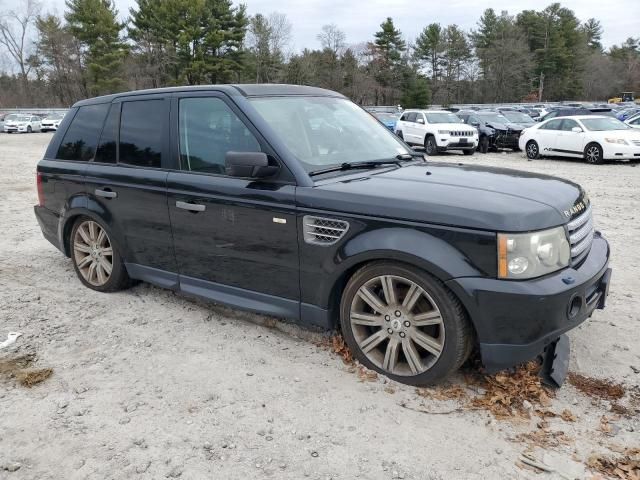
column 402, row 322
column 430, row 145
column 593, row 154
column 484, row 145
column 533, row 150
column 96, row 259
column 468, row 152
column 29, row 130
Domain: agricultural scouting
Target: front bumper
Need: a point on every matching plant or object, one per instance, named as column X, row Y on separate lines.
column 447, row 142
column 621, row 152
column 509, row 139
column 516, row 320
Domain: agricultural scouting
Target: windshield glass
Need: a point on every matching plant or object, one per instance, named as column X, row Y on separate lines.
column 442, row 117
column 603, row 124
column 23, row 118
column 56, row 116
column 327, row 131
column 493, row 117
column 518, row 117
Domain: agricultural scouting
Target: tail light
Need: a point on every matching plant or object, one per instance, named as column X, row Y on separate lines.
column 40, row 189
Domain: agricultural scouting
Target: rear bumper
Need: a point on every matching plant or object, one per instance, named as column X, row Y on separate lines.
column 49, row 223
column 516, row 320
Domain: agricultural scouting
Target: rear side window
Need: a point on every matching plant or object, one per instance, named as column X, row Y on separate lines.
column 141, row 134
column 80, row 140
column 208, row 130
column 109, row 139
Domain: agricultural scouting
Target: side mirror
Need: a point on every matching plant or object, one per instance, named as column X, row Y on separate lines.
column 420, row 120
column 576, row 130
column 248, row 165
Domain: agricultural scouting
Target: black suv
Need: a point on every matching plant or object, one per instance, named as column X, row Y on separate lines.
column 495, row 130
column 294, row 202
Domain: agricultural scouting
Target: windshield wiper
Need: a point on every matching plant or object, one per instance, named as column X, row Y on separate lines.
column 368, row 164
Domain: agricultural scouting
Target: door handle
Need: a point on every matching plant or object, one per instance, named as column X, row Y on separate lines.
column 192, row 207
column 105, row 193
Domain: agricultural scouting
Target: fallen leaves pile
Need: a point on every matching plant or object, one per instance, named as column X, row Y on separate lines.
column 17, row 367
column 514, row 394
column 340, row 348
column 594, row 387
column 625, row 466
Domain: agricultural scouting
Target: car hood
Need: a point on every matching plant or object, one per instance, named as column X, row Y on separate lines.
column 495, row 199
column 504, row 126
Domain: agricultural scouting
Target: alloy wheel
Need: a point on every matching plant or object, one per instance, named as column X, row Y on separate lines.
column 397, row 325
column 593, row 154
column 430, row 146
column 93, row 253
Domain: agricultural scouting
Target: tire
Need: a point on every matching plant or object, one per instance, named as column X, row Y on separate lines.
column 430, row 145
column 483, row 146
column 29, row 130
column 381, row 336
column 89, row 253
column 593, row 154
column 533, row 150
column 469, row 151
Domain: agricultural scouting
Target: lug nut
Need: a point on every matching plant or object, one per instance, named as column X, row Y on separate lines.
column 390, row 331
column 387, row 318
column 398, row 313
column 402, row 334
column 406, row 323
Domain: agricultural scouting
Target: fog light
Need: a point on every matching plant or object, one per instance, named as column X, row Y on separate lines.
column 518, row 265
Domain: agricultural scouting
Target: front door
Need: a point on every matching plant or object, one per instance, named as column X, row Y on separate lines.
column 568, row 141
column 235, row 239
column 547, row 136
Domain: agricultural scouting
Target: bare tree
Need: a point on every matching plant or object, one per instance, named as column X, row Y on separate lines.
column 14, row 35
column 280, row 28
column 332, row 38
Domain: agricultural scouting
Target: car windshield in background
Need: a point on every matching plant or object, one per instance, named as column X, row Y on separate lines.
column 22, row 118
column 518, row 117
column 493, row 117
column 442, row 117
column 603, row 124
column 326, row 131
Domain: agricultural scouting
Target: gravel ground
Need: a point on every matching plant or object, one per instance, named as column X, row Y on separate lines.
column 150, row 384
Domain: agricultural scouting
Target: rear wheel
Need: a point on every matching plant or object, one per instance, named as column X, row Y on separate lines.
column 402, row 322
column 430, row 145
column 96, row 260
column 533, row 150
column 593, row 154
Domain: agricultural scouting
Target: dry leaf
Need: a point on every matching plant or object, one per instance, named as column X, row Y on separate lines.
column 594, row 387
column 568, row 416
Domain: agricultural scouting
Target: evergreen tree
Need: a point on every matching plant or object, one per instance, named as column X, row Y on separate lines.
column 429, row 49
column 94, row 23
column 592, row 29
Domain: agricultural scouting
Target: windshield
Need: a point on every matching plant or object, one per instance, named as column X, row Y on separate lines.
column 493, row 117
column 327, row 131
column 22, row 118
column 603, row 124
column 56, row 116
column 518, row 117
column 442, row 117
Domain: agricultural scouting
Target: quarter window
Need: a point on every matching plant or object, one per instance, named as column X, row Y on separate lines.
column 141, row 133
column 208, row 130
column 79, row 142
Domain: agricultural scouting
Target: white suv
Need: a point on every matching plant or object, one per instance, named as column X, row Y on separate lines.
column 437, row 130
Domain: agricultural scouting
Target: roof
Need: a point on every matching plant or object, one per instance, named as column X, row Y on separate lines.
column 580, row 117
column 245, row 90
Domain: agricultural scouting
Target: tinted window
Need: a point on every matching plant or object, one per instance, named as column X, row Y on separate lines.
column 567, row 125
column 551, row 125
column 141, row 133
column 79, row 143
column 107, row 147
column 411, row 117
column 208, row 130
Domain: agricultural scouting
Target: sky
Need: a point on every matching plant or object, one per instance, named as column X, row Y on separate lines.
column 360, row 19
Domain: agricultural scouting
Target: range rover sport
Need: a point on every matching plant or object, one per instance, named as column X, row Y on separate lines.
column 294, row 202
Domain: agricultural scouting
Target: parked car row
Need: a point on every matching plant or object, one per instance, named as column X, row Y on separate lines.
column 29, row 122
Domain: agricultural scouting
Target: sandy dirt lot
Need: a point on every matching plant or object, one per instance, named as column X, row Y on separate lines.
column 150, row 384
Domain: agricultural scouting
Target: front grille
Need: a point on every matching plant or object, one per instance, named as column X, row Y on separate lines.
column 461, row 133
column 581, row 232
column 323, row 231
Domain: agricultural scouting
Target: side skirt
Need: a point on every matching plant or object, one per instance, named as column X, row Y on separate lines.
column 302, row 313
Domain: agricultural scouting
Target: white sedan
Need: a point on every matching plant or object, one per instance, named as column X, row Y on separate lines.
column 594, row 138
column 22, row 124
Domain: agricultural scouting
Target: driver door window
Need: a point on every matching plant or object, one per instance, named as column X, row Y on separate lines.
column 208, row 130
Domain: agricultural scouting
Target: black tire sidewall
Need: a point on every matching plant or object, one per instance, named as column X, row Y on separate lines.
column 430, row 141
column 484, row 145
column 526, row 149
column 118, row 277
column 449, row 359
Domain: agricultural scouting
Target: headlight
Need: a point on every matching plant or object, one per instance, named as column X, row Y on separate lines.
column 620, row 141
column 529, row 255
column 444, row 132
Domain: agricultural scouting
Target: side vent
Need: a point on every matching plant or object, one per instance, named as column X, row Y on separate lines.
column 323, row 231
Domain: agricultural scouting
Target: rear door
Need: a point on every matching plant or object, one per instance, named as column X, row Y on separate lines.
column 232, row 236
column 127, row 181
